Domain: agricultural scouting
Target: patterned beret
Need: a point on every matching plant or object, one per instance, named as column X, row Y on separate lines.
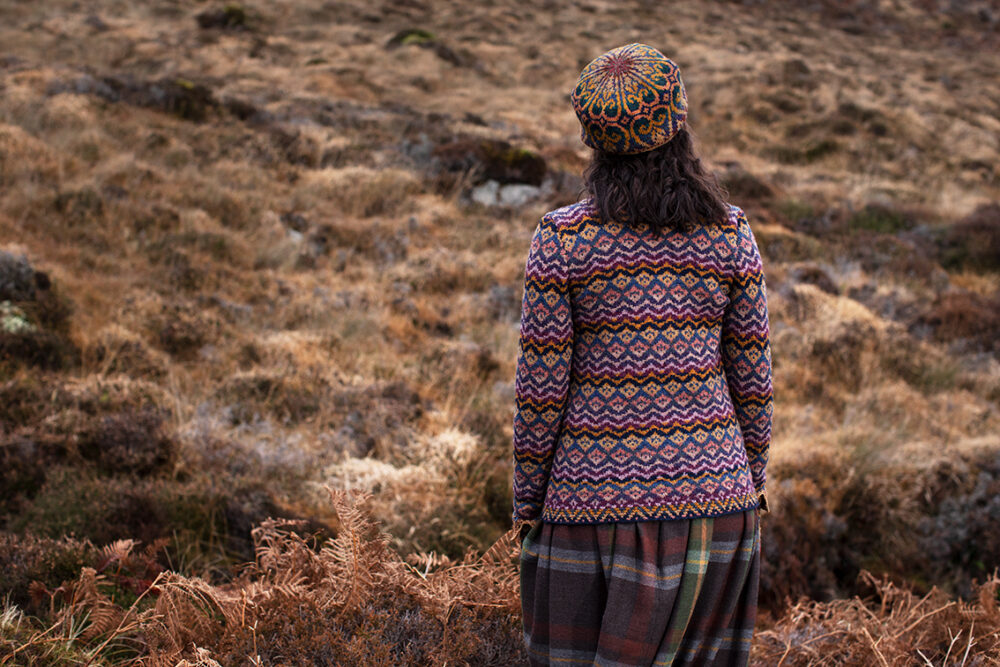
column 630, row 100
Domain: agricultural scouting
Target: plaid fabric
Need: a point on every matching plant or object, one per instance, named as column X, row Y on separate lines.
column 671, row 592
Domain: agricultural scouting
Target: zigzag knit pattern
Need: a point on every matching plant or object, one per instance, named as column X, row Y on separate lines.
column 643, row 385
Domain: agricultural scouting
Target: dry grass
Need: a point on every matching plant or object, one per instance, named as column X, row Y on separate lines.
column 891, row 627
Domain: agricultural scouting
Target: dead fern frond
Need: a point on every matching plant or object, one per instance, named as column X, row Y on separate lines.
column 490, row 579
column 202, row 658
column 117, row 551
column 104, row 616
column 358, row 559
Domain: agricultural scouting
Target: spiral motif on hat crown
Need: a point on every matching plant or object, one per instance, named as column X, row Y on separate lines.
column 630, row 100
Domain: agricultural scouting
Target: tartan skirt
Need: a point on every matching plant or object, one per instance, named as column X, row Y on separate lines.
column 671, row 592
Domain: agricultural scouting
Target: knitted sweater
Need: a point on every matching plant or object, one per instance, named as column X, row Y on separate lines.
column 643, row 383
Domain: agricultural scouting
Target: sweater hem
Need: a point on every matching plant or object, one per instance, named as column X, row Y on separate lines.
column 640, row 514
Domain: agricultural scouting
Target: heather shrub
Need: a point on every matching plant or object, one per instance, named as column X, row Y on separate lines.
column 965, row 317
column 180, row 334
column 22, row 472
column 23, row 399
column 131, row 442
column 74, row 501
column 880, row 218
column 780, row 244
column 959, row 530
column 34, row 318
column 836, row 515
column 974, row 241
column 27, row 558
column 288, row 398
column 743, row 185
column 36, row 349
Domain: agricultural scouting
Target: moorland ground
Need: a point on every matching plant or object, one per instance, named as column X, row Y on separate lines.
column 251, row 251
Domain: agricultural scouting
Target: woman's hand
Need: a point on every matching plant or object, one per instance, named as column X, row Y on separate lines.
column 761, row 509
column 526, row 528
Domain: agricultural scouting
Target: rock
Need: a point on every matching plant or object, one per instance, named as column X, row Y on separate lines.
column 17, row 278
column 504, row 391
column 490, row 159
column 486, row 194
column 491, row 193
column 561, row 187
column 295, row 221
column 33, row 318
column 518, row 195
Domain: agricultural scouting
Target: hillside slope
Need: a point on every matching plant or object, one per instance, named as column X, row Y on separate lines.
column 248, row 251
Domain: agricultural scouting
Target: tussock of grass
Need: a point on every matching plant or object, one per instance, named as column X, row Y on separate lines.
column 357, row 192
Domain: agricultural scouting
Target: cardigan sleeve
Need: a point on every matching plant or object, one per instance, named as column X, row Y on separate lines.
column 746, row 350
column 544, row 360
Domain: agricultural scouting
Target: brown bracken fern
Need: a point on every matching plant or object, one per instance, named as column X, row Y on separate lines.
column 350, row 600
column 353, row 600
column 895, row 628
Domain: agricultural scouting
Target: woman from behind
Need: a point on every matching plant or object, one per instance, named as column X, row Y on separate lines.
column 643, row 395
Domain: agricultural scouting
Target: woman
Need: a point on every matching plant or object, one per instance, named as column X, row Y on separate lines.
column 643, row 395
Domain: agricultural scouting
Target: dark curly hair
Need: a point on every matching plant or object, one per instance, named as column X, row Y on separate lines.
column 666, row 188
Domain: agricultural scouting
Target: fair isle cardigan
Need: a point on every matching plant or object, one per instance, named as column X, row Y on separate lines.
column 643, row 382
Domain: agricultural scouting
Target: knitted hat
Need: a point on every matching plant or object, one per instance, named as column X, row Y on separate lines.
column 630, row 100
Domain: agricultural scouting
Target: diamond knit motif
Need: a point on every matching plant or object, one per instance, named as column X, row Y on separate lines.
column 643, row 385
column 630, row 100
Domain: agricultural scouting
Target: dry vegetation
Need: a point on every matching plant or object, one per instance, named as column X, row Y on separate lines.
column 250, row 252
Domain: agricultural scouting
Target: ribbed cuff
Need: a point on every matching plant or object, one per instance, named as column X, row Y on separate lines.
column 526, row 511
